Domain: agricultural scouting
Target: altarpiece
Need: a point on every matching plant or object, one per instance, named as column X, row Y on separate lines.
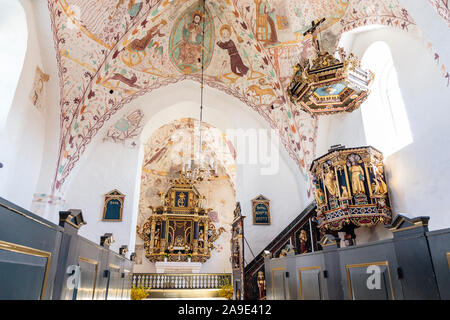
column 180, row 229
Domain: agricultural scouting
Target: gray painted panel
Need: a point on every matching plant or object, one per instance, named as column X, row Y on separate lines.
column 22, row 276
column 333, row 290
column 363, row 287
column 439, row 243
column 379, row 253
column 35, row 233
column 310, row 281
column 414, row 259
column 279, row 288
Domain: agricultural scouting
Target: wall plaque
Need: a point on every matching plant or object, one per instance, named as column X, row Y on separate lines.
column 261, row 210
column 113, row 207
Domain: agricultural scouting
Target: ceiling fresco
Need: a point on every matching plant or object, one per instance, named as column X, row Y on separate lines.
column 113, row 51
column 176, row 143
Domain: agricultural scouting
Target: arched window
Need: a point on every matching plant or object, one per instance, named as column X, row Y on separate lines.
column 385, row 119
column 13, row 46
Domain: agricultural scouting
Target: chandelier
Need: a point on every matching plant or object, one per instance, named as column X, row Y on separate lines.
column 328, row 85
column 198, row 169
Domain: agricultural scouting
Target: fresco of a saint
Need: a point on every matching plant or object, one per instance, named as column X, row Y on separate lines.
column 186, row 40
column 237, row 66
column 267, row 13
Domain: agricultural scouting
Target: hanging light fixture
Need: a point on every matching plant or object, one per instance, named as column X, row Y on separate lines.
column 197, row 169
column 328, row 85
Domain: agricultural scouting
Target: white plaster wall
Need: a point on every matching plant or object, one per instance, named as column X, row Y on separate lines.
column 13, row 47
column 22, row 138
column 419, row 174
column 346, row 129
column 111, row 166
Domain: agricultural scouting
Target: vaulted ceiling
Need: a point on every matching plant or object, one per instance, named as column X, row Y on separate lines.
column 110, row 52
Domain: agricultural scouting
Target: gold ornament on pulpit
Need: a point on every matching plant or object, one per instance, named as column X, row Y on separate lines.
column 330, row 183
column 328, row 85
column 180, row 229
column 320, row 196
column 350, row 189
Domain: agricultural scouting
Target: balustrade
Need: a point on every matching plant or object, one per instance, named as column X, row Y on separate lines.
column 181, row 281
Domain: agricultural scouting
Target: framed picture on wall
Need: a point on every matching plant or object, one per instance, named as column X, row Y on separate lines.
column 113, row 207
column 261, row 210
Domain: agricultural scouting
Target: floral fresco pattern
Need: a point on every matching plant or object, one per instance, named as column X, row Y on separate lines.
column 127, row 129
column 442, row 8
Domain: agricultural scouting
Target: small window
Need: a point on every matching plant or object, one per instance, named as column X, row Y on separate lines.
column 384, row 115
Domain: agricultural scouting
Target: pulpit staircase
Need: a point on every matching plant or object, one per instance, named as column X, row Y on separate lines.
column 289, row 235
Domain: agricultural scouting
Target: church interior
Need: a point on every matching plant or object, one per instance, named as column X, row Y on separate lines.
column 229, row 149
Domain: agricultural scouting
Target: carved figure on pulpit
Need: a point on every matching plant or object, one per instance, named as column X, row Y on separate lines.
column 379, row 187
column 330, row 182
column 344, row 192
column 357, row 178
column 320, row 196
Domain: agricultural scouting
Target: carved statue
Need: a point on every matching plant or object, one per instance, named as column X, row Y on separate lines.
column 357, row 178
column 320, row 196
column 156, row 243
column 236, row 256
column 261, row 285
column 330, row 182
column 179, row 241
column 200, row 239
column 303, row 239
column 344, row 192
column 379, row 186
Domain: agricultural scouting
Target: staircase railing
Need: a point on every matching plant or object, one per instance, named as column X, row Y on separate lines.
column 257, row 263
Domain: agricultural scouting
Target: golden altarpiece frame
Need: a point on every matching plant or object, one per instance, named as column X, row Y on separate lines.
column 180, row 229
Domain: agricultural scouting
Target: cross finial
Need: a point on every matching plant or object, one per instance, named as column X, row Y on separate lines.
column 313, row 30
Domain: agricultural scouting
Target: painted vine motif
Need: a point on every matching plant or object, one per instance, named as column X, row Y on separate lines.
column 127, row 129
column 442, row 8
